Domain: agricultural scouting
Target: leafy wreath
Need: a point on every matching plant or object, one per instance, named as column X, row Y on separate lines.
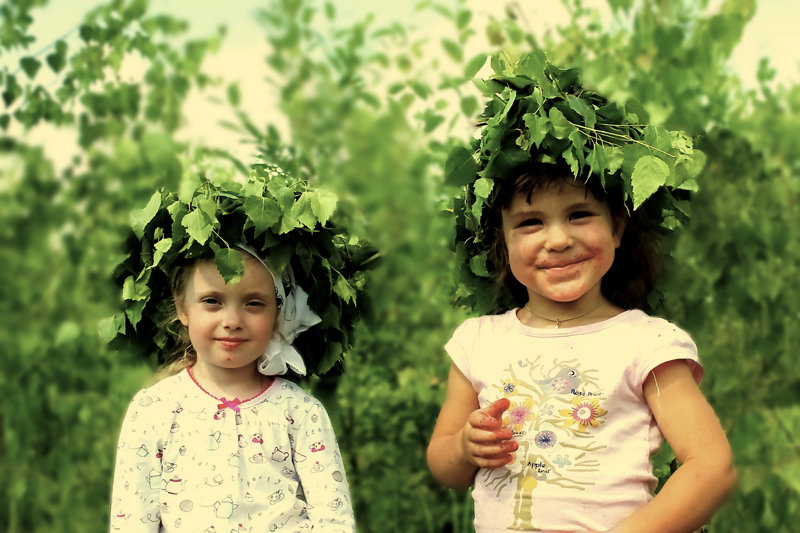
column 278, row 216
column 539, row 113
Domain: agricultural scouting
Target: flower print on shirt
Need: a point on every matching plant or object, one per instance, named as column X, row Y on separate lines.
column 584, row 412
column 553, row 409
column 518, row 415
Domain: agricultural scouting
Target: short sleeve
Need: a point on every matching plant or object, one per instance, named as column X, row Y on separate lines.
column 461, row 346
column 137, row 472
column 667, row 342
column 319, row 466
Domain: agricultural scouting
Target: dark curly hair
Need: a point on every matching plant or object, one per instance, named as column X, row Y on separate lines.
column 638, row 262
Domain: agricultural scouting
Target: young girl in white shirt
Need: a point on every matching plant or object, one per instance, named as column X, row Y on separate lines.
column 223, row 443
column 555, row 406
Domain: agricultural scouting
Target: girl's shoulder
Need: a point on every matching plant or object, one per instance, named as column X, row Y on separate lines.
column 654, row 328
column 485, row 323
column 164, row 393
column 293, row 394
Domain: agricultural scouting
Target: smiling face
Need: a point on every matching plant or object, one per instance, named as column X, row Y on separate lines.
column 561, row 244
column 231, row 325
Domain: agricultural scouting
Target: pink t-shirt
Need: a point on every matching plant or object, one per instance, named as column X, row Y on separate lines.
column 584, row 429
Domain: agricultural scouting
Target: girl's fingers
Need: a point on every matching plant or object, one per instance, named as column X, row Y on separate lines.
column 483, row 436
column 498, row 462
column 492, row 450
column 490, row 417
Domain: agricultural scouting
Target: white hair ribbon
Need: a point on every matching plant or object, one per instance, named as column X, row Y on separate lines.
column 294, row 317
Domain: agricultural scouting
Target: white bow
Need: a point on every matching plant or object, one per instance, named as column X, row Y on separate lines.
column 294, row 317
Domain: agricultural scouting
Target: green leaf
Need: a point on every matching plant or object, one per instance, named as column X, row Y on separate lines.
column 253, row 187
column 344, row 289
column 323, row 204
column 561, row 126
column 462, row 18
column 209, row 207
column 649, row 174
column 58, row 59
column 303, row 212
column 134, row 312
column 135, row 289
column 432, row 120
column 658, row 137
column 198, row 226
column 177, row 210
column 161, row 247
column 30, row 65
column 686, row 169
column 229, row 263
column 422, row 90
column 460, row 168
column 614, row 156
column 453, row 49
column 469, row 106
column 109, row 327
column 597, row 160
column 538, row 127
column 477, row 264
column 234, row 94
column 511, row 96
column 483, row 187
column 474, row 65
column 262, row 212
column 396, row 87
column 140, row 218
column 13, row 90
column 583, row 109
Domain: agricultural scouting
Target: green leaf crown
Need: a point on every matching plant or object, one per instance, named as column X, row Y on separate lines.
column 282, row 219
column 539, row 113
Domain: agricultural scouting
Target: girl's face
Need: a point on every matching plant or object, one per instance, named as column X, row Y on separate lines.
column 229, row 326
column 561, row 244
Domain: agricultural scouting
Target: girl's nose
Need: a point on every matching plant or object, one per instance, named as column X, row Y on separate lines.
column 232, row 318
column 557, row 238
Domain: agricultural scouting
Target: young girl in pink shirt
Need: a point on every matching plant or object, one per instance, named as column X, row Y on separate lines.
column 555, row 406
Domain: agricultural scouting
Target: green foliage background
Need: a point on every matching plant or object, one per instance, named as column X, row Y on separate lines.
column 372, row 113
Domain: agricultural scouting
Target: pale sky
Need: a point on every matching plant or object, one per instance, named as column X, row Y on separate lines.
column 772, row 33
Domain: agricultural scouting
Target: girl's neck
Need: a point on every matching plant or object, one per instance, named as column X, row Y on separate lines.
column 543, row 313
column 242, row 383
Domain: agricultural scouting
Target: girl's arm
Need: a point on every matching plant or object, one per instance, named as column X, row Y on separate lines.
column 322, row 475
column 466, row 437
column 706, row 475
column 137, row 473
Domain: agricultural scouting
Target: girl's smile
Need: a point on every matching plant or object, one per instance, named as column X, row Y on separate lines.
column 230, row 343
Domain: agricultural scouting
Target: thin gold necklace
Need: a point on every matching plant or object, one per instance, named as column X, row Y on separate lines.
column 559, row 321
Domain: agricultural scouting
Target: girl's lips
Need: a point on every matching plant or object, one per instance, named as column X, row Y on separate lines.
column 230, row 342
column 560, row 265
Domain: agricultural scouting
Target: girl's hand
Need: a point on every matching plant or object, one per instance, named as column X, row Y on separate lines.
column 484, row 441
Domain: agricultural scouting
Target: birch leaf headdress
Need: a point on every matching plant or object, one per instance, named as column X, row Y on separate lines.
column 539, row 113
column 279, row 219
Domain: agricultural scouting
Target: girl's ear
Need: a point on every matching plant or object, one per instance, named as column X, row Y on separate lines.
column 620, row 222
column 181, row 312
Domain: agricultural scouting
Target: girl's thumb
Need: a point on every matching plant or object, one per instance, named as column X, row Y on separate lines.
column 496, row 409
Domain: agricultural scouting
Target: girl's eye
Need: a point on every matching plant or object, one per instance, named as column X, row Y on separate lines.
column 530, row 222
column 580, row 214
column 255, row 304
column 210, row 301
